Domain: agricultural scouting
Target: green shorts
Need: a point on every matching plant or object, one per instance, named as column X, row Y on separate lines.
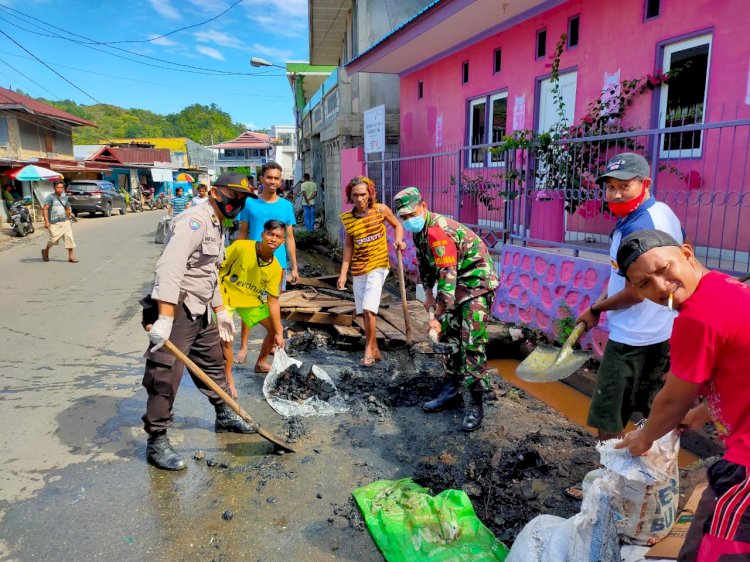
column 251, row 315
column 629, row 377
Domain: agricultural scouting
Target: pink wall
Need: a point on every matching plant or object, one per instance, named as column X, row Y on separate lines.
column 612, row 37
column 352, row 164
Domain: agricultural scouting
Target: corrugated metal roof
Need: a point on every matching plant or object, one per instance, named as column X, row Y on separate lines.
column 248, row 139
column 11, row 100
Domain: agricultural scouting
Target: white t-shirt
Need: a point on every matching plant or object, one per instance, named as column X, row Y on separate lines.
column 645, row 323
column 198, row 200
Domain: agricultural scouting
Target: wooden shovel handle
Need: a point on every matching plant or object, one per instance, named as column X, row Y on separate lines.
column 404, row 303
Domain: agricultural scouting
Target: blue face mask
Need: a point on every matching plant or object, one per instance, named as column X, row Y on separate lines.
column 414, row 224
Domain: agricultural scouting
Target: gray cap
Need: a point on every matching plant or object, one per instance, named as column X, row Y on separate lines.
column 636, row 244
column 625, row 166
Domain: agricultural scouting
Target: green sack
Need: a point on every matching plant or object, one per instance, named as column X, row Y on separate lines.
column 409, row 524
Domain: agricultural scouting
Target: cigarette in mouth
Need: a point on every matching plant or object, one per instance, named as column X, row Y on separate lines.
column 669, row 302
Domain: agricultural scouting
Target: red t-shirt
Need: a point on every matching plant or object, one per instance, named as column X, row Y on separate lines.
column 711, row 345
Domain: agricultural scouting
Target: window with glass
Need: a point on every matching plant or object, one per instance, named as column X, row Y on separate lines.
column 487, row 125
column 683, row 99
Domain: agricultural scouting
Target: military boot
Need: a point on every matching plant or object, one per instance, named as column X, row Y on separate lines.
column 449, row 397
column 160, row 453
column 475, row 412
column 227, row 420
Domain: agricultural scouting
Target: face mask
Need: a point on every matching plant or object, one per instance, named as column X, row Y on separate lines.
column 230, row 207
column 624, row 208
column 414, row 224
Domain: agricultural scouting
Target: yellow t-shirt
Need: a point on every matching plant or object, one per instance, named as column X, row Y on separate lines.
column 244, row 279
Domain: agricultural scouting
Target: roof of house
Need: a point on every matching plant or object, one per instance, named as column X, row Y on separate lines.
column 13, row 100
column 133, row 156
column 248, row 139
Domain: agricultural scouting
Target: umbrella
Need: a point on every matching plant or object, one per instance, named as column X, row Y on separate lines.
column 33, row 173
column 185, row 177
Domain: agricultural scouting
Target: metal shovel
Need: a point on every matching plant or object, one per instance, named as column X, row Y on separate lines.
column 198, row 372
column 548, row 363
column 435, row 347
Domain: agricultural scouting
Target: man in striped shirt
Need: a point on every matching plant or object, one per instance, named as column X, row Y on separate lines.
column 179, row 202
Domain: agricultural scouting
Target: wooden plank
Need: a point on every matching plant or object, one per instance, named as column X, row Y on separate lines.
column 311, row 282
column 361, row 323
column 348, row 309
column 347, row 331
column 321, row 318
column 321, row 302
column 303, row 310
column 389, row 331
column 397, row 321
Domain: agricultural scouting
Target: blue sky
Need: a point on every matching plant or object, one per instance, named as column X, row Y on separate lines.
column 275, row 30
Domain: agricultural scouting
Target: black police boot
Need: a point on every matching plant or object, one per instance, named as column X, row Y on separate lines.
column 160, row 453
column 449, row 397
column 227, row 420
column 475, row 413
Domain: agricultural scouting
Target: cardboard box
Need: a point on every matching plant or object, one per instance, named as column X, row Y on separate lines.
column 669, row 547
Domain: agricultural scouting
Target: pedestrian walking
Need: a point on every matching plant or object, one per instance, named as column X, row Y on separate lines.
column 250, row 280
column 179, row 307
column 636, row 357
column 309, row 193
column 366, row 252
column 454, row 259
column 202, row 196
column 57, row 220
column 710, row 347
column 257, row 212
column 178, row 203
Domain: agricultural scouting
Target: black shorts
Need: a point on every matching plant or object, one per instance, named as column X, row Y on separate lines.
column 629, row 377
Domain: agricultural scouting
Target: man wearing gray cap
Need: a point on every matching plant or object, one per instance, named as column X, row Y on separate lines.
column 637, row 354
column 179, row 307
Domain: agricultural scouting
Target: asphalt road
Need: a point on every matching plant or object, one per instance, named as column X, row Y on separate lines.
column 74, row 483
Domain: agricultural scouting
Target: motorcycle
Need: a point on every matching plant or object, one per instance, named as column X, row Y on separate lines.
column 162, row 201
column 148, row 198
column 135, row 204
column 20, row 218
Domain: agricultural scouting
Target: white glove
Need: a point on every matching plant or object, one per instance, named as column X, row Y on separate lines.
column 159, row 333
column 225, row 325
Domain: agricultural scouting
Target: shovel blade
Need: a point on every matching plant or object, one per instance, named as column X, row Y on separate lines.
column 546, row 364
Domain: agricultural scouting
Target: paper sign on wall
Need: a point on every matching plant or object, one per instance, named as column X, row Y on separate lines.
column 519, row 112
column 375, row 129
column 611, row 92
column 439, row 131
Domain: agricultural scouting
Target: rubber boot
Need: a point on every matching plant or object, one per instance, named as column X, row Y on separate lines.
column 449, row 397
column 227, row 420
column 475, row 413
column 160, row 453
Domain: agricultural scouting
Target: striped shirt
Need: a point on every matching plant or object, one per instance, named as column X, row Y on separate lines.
column 370, row 241
column 179, row 204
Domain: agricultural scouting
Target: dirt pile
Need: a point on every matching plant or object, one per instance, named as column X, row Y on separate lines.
column 298, row 383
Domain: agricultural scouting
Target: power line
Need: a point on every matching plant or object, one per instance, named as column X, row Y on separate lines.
column 29, row 79
column 49, row 67
column 89, row 42
column 176, row 30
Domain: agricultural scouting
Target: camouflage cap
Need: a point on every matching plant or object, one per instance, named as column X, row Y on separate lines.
column 406, row 201
column 625, row 166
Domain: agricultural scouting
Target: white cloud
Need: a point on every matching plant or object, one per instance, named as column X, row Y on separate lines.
column 165, row 8
column 219, row 38
column 162, row 41
column 209, row 52
column 211, row 6
column 251, row 126
column 277, row 56
column 295, row 8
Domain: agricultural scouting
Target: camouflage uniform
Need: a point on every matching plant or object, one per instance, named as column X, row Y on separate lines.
column 455, row 258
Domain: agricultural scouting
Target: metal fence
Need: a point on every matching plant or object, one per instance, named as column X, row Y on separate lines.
column 547, row 196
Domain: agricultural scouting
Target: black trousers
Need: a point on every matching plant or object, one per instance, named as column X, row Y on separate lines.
column 196, row 337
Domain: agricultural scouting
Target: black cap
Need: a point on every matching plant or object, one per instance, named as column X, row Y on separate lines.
column 625, row 166
column 235, row 182
column 638, row 243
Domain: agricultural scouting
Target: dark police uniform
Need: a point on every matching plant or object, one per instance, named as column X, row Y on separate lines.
column 186, row 275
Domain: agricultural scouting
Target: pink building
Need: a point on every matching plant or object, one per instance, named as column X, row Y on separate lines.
column 473, row 71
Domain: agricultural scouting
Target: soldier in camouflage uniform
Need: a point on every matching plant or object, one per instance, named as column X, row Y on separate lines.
column 456, row 260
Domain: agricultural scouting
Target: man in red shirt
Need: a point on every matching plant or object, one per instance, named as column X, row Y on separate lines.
column 710, row 347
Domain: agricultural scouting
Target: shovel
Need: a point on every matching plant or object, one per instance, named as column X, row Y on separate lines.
column 404, row 305
column 435, row 347
column 548, row 363
column 198, row 372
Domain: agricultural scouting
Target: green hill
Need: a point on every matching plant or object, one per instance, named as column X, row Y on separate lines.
column 205, row 124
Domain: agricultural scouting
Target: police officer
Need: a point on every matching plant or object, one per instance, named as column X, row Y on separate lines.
column 454, row 259
column 181, row 303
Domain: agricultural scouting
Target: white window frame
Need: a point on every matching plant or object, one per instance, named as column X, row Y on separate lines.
column 488, row 101
column 669, row 50
column 488, row 127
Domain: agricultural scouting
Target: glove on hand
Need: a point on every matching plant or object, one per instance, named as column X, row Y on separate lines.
column 160, row 331
column 225, row 325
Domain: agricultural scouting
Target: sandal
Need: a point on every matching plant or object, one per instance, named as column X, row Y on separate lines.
column 45, row 254
column 367, row 361
column 74, row 260
column 574, row 492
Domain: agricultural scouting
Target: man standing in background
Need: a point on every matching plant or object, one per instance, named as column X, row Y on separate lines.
column 309, row 193
column 57, row 214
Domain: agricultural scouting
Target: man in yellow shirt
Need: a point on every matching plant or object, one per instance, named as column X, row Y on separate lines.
column 250, row 280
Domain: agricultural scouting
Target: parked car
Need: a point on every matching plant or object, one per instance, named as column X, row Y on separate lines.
column 95, row 196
